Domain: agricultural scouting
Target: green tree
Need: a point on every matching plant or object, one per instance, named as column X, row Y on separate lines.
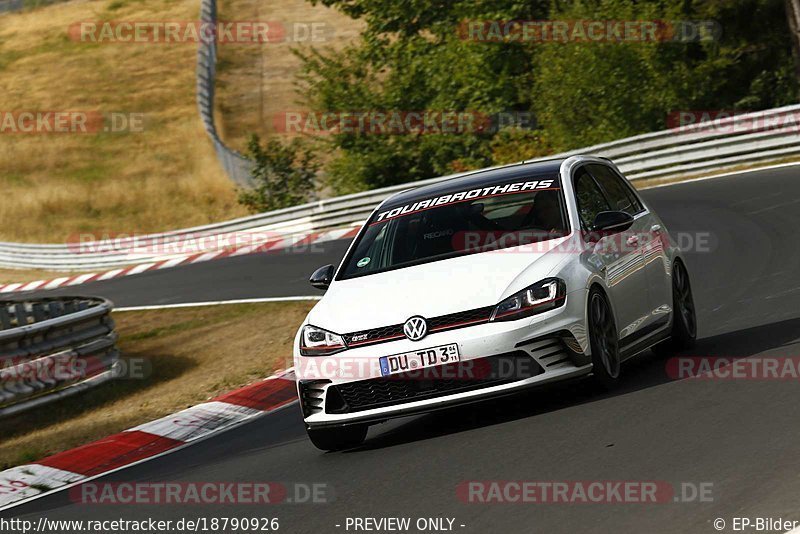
column 284, row 175
column 412, row 57
column 587, row 93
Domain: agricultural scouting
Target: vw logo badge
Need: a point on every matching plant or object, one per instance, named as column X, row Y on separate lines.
column 415, row 328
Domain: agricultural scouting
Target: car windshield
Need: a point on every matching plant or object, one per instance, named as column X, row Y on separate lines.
column 432, row 229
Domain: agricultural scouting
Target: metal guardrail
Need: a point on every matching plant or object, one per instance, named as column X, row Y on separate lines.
column 700, row 148
column 236, row 166
column 707, row 146
column 51, row 348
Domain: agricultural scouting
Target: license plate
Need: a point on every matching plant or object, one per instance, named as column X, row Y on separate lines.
column 419, row 359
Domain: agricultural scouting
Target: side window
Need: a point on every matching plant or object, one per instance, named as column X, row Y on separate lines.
column 619, row 194
column 590, row 198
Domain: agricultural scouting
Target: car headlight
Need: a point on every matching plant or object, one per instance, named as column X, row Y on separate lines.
column 543, row 296
column 318, row 342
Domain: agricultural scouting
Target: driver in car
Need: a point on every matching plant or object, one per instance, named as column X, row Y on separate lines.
column 547, row 212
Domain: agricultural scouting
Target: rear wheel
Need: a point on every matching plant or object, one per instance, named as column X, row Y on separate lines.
column 337, row 438
column 684, row 316
column 604, row 340
column 684, row 331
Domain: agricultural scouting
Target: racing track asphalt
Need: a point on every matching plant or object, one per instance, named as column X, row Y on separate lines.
column 740, row 435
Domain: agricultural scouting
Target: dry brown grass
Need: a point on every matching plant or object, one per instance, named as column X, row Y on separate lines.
column 257, row 82
column 195, row 353
column 55, row 185
column 164, row 178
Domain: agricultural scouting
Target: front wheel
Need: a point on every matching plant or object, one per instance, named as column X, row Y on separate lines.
column 337, row 438
column 604, row 341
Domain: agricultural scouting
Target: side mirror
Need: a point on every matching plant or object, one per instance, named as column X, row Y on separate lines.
column 612, row 222
column 608, row 223
column 322, row 277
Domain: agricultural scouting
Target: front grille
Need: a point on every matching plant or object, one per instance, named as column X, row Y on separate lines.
column 374, row 335
column 431, row 382
column 435, row 324
column 456, row 320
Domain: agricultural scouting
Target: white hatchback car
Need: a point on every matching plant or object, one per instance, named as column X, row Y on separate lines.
column 486, row 283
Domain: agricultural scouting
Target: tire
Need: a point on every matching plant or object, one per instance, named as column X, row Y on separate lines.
column 337, row 438
column 684, row 316
column 604, row 341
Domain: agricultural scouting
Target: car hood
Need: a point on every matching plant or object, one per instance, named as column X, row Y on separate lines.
column 435, row 288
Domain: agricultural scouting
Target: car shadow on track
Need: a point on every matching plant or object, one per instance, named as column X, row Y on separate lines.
column 646, row 371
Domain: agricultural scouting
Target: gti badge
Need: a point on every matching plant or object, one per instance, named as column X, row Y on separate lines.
column 415, row 328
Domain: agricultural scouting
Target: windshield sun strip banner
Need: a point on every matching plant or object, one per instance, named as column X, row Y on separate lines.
column 511, row 188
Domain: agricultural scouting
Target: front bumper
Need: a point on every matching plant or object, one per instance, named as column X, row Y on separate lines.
column 348, row 388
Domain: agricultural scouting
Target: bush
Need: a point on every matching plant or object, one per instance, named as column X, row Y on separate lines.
column 511, row 145
column 284, row 175
column 588, row 93
column 411, row 59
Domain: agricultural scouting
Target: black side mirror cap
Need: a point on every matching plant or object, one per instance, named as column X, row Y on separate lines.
column 608, row 223
column 322, row 277
column 612, row 222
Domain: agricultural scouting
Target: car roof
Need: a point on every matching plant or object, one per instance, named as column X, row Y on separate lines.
column 546, row 168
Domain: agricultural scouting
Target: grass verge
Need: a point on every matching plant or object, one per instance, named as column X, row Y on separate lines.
column 192, row 354
column 256, row 83
column 58, row 185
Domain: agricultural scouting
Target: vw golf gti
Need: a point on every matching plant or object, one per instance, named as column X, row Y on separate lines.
column 486, row 283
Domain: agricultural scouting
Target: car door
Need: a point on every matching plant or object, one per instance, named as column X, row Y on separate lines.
column 620, row 261
column 650, row 242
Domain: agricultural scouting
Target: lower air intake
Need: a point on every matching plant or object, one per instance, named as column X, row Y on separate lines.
column 431, row 382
